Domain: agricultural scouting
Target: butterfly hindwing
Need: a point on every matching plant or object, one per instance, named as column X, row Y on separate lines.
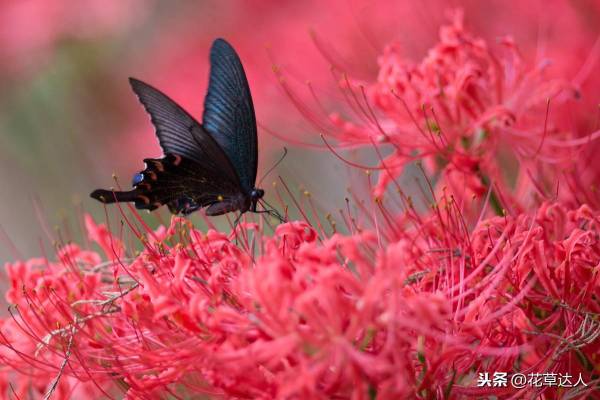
column 177, row 182
column 229, row 113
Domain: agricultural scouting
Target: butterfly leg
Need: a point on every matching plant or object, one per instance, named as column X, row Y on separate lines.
column 235, row 224
column 271, row 211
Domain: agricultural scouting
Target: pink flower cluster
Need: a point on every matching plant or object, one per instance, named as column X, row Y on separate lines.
column 311, row 316
column 478, row 115
column 406, row 304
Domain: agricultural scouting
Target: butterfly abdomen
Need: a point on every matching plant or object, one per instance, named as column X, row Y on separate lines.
column 239, row 202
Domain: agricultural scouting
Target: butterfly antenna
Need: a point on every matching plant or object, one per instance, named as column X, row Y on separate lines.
column 285, row 151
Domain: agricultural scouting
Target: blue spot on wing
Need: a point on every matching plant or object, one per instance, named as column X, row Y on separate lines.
column 137, row 179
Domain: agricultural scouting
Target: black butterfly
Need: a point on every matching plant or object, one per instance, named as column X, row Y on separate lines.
column 212, row 164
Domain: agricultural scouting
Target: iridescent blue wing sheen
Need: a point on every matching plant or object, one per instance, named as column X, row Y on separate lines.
column 229, row 112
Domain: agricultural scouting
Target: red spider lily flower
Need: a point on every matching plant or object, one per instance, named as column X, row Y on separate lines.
column 312, row 316
column 479, row 116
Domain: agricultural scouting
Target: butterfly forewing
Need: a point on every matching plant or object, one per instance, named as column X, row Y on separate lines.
column 229, row 112
column 178, row 132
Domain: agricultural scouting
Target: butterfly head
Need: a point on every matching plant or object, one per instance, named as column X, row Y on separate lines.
column 255, row 196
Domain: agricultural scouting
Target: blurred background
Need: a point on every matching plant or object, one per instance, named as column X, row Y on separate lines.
column 68, row 119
